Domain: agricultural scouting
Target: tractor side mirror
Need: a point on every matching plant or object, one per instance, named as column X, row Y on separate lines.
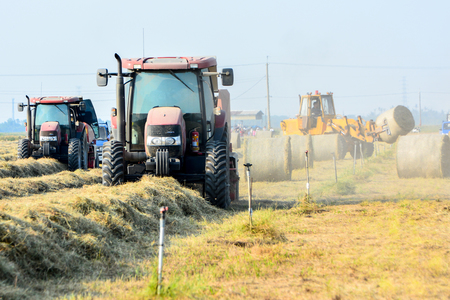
column 102, row 77
column 20, row 107
column 227, row 77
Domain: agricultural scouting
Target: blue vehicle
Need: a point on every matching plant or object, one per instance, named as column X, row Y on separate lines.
column 445, row 128
column 104, row 136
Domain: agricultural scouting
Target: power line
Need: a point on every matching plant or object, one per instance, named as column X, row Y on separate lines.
column 250, row 87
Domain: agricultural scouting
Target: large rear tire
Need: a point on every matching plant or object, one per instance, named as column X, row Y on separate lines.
column 74, row 154
column 112, row 163
column 367, row 149
column 23, row 149
column 84, row 152
column 217, row 174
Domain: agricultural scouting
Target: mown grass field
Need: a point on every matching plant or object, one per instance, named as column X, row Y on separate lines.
column 369, row 236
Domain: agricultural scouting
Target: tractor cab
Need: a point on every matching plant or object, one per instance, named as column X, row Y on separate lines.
column 315, row 111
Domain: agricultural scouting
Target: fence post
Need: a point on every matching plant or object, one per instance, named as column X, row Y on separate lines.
column 307, row 175
column 162, row 221
column 335, row 169
column 249, row 180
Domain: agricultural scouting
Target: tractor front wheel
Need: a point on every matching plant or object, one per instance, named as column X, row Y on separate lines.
column 74, row 154
column 217, row 174
column 23, row 149
column 112, row 163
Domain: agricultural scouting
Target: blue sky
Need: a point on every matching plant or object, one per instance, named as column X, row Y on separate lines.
column 370, row 54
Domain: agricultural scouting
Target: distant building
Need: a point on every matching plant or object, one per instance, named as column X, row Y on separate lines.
column 247, row 118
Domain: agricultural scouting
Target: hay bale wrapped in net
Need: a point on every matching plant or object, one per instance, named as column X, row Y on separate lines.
column 271, row 158
column 300, row 144
column 399, row 120
column 423, row 155
column 264, row 134
column 326, row 144
column 235, row 140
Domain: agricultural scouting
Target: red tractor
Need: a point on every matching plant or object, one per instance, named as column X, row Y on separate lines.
column 63, row 128
column 176, row 123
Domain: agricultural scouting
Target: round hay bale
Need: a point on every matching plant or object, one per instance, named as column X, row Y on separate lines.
column 264, row 134
column 423, row 155
column 326, row 144
column 299, row 145
column 399, row 120
column 235, row 140
column 271, row 158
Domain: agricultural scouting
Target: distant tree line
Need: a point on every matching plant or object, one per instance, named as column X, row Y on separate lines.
column 12, row 126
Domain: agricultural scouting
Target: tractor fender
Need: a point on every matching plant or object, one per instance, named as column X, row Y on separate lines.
column 221, row 119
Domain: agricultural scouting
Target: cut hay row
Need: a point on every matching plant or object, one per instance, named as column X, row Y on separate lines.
column 423, row 155
column 21, row 187
column 91, row 232
column 30, row 167
column 271, row 158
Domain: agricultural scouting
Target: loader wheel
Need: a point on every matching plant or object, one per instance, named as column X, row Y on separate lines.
column 112, row 163
column 84, row 151
column 74, row 154
column 367, row 149
column 23, row 149
column 217, row 174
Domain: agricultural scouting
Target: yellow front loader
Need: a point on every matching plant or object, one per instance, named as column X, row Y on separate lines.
column 318, row 116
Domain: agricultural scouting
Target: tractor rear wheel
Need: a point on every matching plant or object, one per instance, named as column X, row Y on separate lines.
column 84, row 151
column 217, row 174
column 112, row 163
column 74, row 154
column 23, row 149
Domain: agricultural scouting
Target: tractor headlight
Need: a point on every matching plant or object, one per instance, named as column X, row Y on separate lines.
column 48, row 138
column 164, row 141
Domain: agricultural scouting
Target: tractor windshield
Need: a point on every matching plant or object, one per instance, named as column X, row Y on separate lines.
column 327, row 102
column 52, row 113
column 166, row 89
column 162, row 88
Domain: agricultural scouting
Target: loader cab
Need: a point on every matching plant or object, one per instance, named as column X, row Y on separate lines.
column 315, row 111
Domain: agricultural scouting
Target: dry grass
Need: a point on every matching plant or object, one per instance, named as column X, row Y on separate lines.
column 385, row 243
column 366, row 251
column 8, row 150
column 56, row 239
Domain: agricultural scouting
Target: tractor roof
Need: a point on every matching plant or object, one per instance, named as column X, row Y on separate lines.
column 169, row 63
column 56, row 100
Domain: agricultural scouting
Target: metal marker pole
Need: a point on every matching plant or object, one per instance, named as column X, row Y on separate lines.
column 354, row 160
column 307, row 175
column 335, row 169
column 162, row 220
column 361, row 152
column 249, row 180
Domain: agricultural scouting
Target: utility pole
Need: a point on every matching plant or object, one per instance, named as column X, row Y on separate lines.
column 13, row 109
column 268, row 96
column 143, row 43
column 420, row 112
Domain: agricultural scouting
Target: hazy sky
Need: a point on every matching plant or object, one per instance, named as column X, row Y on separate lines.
column 370, row 54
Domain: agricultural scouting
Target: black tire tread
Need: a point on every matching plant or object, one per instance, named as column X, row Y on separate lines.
column 23, row 149
column 112, row 163
column 217, row 181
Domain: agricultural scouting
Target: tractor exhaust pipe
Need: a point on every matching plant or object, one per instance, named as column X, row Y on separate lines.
column 29, row 120
column 120, row 102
